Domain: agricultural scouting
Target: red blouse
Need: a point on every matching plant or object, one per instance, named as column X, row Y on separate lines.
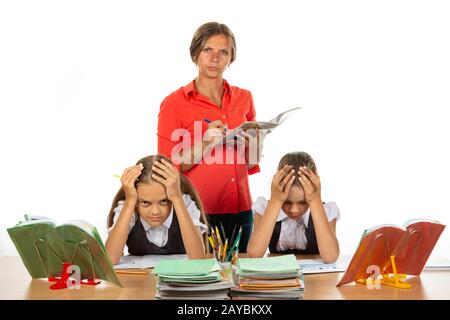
column 223, row 187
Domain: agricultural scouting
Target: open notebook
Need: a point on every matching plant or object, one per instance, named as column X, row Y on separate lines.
column 410, row 246
column 265, row 126
column 44, row 246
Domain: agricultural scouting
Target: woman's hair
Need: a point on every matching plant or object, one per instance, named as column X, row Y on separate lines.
column 146, row 177
column 207, row 30
column 297, row 160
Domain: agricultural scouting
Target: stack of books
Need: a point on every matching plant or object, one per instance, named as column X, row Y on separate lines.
column 192, row 279
column 268, row 278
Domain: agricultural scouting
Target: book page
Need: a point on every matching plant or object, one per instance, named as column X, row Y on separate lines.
column 279, row 119
column 83, row 225
column 30, row 217
column 412, row 221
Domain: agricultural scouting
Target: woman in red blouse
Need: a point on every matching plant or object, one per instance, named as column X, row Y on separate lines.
column 195, row 115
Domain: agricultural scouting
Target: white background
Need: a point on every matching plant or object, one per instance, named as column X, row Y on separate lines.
column 81, row 83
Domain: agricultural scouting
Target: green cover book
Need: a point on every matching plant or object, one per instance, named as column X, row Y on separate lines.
column 44, row 246
column 279, row 264
column 193, row 267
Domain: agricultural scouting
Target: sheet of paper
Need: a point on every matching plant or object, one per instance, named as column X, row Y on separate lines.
column 437, row 262
column 311, row 266
column 143, row 262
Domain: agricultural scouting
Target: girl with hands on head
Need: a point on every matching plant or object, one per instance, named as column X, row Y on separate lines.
column 156, row 211
column 295, row 220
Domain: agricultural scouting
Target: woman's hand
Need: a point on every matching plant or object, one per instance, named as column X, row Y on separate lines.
column 281, row 183
column 311, row 185
column 252, row 140
column 170, row 180
column 128, row 179
column 216, row 130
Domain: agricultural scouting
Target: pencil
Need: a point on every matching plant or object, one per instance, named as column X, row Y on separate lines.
column 117, row 176
column 211, row 241
column 225, row 250
column 218, row 236
column 223, row 231
column 233, row 234
column 235, row 244
column 142, row 273
column 214, row 238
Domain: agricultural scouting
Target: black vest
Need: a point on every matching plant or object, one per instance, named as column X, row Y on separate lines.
column 138, row 244
column 311, row 246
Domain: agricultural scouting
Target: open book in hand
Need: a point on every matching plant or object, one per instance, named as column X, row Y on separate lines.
column 410, row 246
column 44, row 246
column 251, row 126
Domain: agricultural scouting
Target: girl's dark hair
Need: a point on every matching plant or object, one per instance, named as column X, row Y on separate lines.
column 146, row 177
column 207, row 30
column 297, row 160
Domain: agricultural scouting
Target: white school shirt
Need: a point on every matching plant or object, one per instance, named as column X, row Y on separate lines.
column 159, row 235
column 293, row 232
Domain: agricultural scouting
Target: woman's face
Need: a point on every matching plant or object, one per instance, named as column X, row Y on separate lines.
column 215, row 57
column 295, row 205
column 153, row 205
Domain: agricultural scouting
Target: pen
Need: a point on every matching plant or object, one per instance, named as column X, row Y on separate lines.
column 209, row 121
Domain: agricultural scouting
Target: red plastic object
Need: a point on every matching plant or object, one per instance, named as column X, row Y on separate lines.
column 90, row 282
column 61, row 282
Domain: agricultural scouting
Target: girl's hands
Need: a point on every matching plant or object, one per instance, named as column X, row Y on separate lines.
column 311, row 185
column 128, row 179
column 170, row 180
column 281, row 183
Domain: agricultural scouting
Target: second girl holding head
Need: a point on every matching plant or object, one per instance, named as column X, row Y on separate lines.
column 156, row 211
column 295, row 220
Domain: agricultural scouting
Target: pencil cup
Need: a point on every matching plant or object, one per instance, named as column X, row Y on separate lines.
column 225, row 270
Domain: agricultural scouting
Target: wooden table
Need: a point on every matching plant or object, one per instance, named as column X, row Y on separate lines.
column 16, row 284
